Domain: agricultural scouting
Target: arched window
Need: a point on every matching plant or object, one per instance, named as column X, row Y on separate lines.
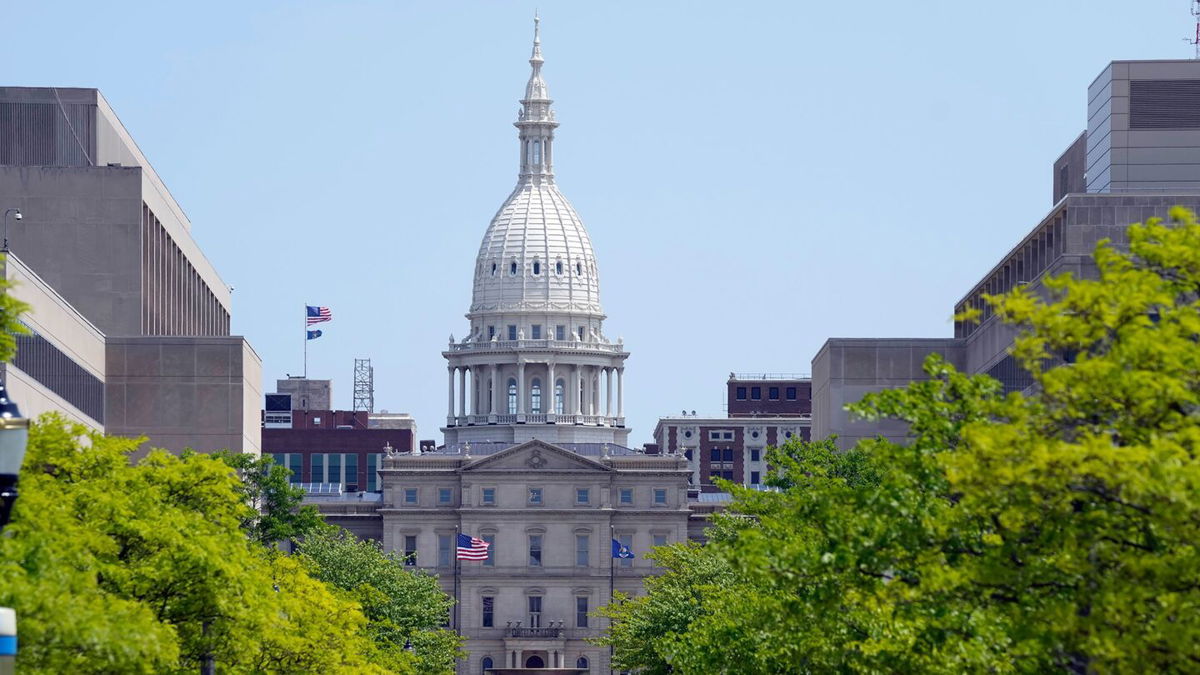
column 537, row 152
column 512, row 268
column 535, row 661
column 493, row 269
column 559, row 388
column 581, row 662
column 512, row 396
column 578, row 269
column 537, row 267
column 535, row 397
column 558, row 267
column 485, row 665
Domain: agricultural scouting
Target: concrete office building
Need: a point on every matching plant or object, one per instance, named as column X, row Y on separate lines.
column 762, row 410
column 1139, row 156
column 535, row 362
column 131, row 321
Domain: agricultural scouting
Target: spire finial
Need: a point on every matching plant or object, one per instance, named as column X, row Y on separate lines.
column 537, row 40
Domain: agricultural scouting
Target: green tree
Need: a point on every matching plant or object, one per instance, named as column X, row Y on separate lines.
column 1053, row 531
column 403, row 607
column 144, row 568
column 11, row 310
column 276, row 511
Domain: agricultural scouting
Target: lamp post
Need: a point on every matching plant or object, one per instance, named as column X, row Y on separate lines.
column 14, row 435
column 16, row 216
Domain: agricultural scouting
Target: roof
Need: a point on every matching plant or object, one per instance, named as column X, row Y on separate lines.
column 492, row 447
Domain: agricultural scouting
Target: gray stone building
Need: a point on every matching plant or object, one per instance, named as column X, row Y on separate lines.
column 1139, row 156
column 130, row 320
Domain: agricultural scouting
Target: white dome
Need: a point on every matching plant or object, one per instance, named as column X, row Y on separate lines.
column 536, row 256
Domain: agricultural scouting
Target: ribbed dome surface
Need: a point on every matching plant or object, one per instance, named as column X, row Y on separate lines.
column 536, row 256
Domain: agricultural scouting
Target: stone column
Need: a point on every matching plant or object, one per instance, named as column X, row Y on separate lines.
column 495, row 402
column 520, row 387
column 450, row 387
column 576, row 386
column 462, row 391
column 596, row 390
column 552, row 389
column 586, row 386
column 608, row 386
column 620, row 392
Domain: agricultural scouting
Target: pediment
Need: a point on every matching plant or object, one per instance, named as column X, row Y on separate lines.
column 536, row 457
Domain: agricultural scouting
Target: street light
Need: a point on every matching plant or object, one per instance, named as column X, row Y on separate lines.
column 14, row 436
column 16, row 216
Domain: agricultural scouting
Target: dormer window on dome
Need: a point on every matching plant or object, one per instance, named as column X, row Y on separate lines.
column 512, row 268
column 558, row 268
column 578, row 269
column 493, row 269
column 537, row 268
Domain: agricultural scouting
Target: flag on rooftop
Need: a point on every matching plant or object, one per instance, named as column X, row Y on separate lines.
column 314, row 334
column 620, row 550
column 471, row 548
column 318, row 314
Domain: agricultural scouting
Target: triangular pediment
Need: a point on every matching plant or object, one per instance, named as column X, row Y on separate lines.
column 536, row 456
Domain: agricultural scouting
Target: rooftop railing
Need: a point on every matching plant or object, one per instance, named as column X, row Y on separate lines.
column 752, row 377
column 509, row 345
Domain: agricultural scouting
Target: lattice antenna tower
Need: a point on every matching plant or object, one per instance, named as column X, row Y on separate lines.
column 364, row 385
column 1195, row 39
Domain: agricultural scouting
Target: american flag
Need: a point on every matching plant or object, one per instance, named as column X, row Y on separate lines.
column 318, row 314
column 471, row 548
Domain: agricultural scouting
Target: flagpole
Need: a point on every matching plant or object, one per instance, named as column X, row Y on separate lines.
column 456, row 565
column 612, row 579
column 306, row 340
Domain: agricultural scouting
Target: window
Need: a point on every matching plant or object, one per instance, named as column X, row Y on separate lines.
column 626, row 495
column 727, row 454
column 410, row 495
column 372, row 471
column 754, row 478
column 688, row 453
column 578, row 269
column 489, row 496
column 443, row 550
column 352, row 471
column 659, row 539
column 581, row 662
column 581, row 611
column 535, row 397
column 535, row 611
column 335, row 467
column 558, row 397
column 660, row 496
column 714, row 454
column 558, row 267
column 741, row 393
column 512, row 396
column 537, row 268
column 489, row 611
column 485, row 665
column 536, row 333
column 316, row 421
column 512, row 332
column 560, row 333
column 410, row 549
column 512, row 268
column 535, row 550
column 581, row 496
column 773, row 393
column 727, row 475
column 581, row 333
column 443, row 495
column 493, row 269
column 491, row 332
column 791, row 393
column 535, row 495
column 756, row 393
column 317, row 468
column 582, row 544
column 755, row 454
column 491, row 559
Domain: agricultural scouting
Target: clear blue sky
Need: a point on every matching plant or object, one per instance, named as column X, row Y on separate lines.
column 755, row 176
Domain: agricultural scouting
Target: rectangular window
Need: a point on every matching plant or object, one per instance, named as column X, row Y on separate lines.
column 660, row 496
column 626, row 495
column 279, row 458
column 352, row 471
column 335, row 467
column 791, row 393
column 582, row 544
column 489, row 496
column 535, row 550
column 443, row 495
column 755, row 454
column 410, row 495
column 444, row 550
column 715, row 455
column 581, row 611
column 741, row 393
column 372, row 471
column 659, row 539
column 491, row 333
column 489, row 611
column 535, row 611
column 581, row 333
column 512, row 332
column 317, row 470
column 754, row 478
column 491, row 559
column 537, row 331
column 756, row 393
column 773, row 393
column 560, row 333
column 626, row 539
column 410, row 549
column 295, row 462
column 535, row 495
column 688, row 453
column 727, row 454
column 727, row 475
column 581, row 495
column 728, row 435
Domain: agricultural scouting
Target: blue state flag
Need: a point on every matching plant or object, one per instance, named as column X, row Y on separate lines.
column 314, row 334
column 620, row 550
